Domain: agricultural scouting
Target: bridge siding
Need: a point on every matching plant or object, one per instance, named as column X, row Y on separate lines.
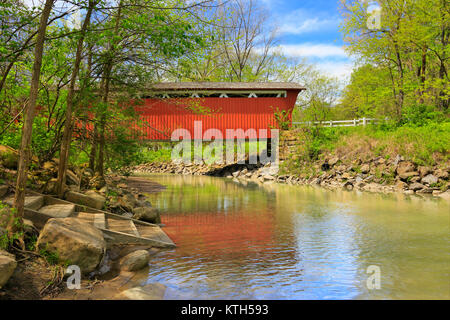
column 166, row 115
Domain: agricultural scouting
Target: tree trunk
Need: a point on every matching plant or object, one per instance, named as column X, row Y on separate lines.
column 101, row 142
column 107, row 78
column 15, row 222
column 67, row 136
column 93, row 153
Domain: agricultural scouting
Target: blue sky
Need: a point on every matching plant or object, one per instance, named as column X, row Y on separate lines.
column 310, row 29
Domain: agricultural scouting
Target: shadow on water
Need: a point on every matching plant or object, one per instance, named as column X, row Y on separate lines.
column 249, row 241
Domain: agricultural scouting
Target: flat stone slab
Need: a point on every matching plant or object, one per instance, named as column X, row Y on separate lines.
column 92, row 200
column 7, row 266
column 152, row 291
column 58, row 210
column 31, row 202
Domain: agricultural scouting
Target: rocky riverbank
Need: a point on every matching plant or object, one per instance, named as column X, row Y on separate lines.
column 374, row 175
column 38, row 271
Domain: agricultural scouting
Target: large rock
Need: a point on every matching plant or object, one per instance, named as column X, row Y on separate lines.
column 7, row 266
column 423, row 171
column 8, row 157
column 71, row 178
column 404, row 168
column 90, row 199
column 441, row 174
column 147, row 214
column 365, row 168
column 152, row 291
column 333, row 161
column 416, row 186
column 429, row 179
column 127, row 201
column 74, row 241
column 135, row 261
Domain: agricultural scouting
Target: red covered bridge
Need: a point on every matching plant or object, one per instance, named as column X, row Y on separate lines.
column 220, row 105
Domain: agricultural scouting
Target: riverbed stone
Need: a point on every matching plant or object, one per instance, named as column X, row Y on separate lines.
column 135, row 261
column 73, row 241
column 127, row 201
column 147, row 214
column 423, row 171
column 333, row 161
column 429, row 179
column 405, row 166
column 441, row 174
column 365, row 168
column 90, row 199
column 409, row 175
column 7, row 266
column 445, row 195
column 152, row 291
column 71, row 178
column 416, row 186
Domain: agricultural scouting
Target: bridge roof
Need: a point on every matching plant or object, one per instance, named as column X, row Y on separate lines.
column 206, row 86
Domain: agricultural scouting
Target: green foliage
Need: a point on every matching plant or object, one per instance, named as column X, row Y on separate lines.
column 50, row 256
column 421, row 115
column 401, row 68
column 282, row 119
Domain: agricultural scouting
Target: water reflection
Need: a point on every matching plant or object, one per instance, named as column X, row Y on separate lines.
column 282, row 242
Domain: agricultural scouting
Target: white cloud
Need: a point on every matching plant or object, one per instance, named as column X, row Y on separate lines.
column 311, row 50
column 339, row 69
column 308, row 25
column 302, row 21
column 330, row 59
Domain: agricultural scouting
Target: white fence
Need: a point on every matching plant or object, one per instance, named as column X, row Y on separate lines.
column 338, row 123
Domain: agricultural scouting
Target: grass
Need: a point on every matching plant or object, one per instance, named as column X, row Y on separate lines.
column 163, row 152
column 427, row 145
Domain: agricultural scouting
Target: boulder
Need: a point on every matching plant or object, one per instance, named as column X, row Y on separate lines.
column 346, row 175
column 400, row 185
column 348, row 186
column 397, row 160
column 441, row 174
column 404, row 167
column 74, row 242
column 7, row 266
column 127, row 201
column 425, row 190
column 71, row 178
column 90, row 199
column 8, row 157
column 406, row 175
column 445, row 195
column 143, row 203
column 147, row 214
column 423, row 171
column 365, row 168
column 333, row 161
column 97, row 182
column 429, row 179
column 135, row 261
column 416, row 186
column 152, row 291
